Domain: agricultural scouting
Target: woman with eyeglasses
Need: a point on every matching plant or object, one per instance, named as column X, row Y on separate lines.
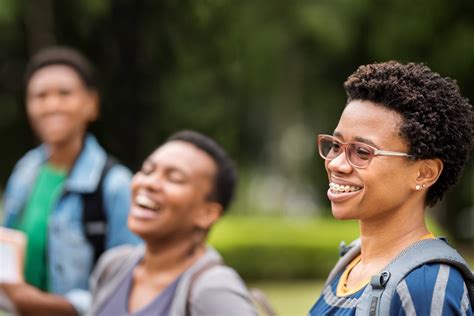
column 402, row 141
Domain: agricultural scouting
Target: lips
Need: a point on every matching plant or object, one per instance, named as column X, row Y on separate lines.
column 341, row 188
column 339, row 192
column 146, row 202
column 144, row 207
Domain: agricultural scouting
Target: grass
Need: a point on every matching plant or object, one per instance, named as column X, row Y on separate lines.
column 290, row 298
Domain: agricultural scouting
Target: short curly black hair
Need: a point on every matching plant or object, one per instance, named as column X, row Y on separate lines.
column 437, row 119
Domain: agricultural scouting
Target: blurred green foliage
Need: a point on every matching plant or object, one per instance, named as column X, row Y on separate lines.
column 263, row 78
column 262, row 247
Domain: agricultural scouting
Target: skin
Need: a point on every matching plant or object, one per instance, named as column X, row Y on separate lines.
column 389, row 208
column 176, row 180
column 59, row 108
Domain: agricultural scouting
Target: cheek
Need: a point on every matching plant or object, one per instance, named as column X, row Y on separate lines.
column 136, row 181
column 389, row 183
column 184, row 197
column 180, row 194
column 32, row 110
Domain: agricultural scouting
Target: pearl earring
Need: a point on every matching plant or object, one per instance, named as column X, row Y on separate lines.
column 418, row 187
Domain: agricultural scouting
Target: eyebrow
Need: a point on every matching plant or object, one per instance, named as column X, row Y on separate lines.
column 358, row 139
column 167, row 168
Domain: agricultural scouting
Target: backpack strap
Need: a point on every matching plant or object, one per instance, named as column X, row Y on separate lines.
column 262, row 301
column 377, row 298
column 94, row 218
column 257, row 295
column 347, row 253
column 193, row 280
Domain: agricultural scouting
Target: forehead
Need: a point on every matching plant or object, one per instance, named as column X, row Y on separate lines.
column 184, row 156
column 365, row 119
column 54, row 75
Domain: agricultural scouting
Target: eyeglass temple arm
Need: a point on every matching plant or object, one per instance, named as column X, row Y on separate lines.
column 391, row 153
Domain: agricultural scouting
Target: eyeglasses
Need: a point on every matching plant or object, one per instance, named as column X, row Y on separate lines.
column 359, row 155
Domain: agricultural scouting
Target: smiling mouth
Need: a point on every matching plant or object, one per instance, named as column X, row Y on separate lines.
column 147, row 203
column 338, row 188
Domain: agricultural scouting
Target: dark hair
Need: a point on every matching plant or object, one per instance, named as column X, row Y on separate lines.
column 59, row 55
column 225, row 178
column 437, row 120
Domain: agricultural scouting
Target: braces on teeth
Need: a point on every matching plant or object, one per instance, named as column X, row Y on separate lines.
column 343, row 188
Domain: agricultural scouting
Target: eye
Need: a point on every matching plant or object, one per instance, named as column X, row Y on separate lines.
column 335, row 146
column 176, row 176
column 64, row 92
column 38, row 95
column 362, row 152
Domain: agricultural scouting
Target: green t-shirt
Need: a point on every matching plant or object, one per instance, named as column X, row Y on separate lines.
column 34, row 223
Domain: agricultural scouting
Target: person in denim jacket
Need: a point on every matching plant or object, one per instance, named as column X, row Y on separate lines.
column 44, row 194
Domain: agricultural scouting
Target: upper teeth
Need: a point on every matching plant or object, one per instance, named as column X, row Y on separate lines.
column 145, row 201
column 343, row 188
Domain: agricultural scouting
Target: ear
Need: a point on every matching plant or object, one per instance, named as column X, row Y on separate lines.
column 208, row 215
column 92, row 106
column 429, row 172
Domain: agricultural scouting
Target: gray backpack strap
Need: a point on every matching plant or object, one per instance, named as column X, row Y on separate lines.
column 348, row 253
column 262, row 301
column 377, row 298
column 196, row 275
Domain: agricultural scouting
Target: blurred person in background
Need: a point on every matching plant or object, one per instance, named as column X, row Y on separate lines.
column 401, row 142
column 182, row 189
column 67, row 195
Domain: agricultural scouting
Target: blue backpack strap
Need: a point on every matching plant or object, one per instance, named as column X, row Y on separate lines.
column 347, row 253
column 377, row 298
column 94, row 217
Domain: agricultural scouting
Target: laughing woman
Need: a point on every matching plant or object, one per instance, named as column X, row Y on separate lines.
column 183, row 188
column 400, row 144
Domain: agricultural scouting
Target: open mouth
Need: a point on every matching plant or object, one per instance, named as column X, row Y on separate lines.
column 147, row 203
column 339, row 188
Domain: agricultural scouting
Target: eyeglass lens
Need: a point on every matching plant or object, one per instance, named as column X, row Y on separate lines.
column 358, row 154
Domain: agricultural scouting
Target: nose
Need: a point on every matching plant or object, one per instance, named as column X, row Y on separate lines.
column 340, row 163
column 152, row 181
column 51, row 102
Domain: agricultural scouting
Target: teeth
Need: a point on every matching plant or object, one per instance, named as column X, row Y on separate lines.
column 145, row 201
column 343, row 188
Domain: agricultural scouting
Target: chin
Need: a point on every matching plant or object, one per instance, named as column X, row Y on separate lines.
column 55, row 140
column 342, row 214
column 134, row 226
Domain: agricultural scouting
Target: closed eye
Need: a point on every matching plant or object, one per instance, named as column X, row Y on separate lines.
column 362, row 152
column 176, row 176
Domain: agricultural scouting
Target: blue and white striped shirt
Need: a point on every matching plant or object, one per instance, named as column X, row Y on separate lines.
column 432, row 289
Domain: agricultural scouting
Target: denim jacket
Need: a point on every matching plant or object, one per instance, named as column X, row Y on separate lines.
column 70, row 255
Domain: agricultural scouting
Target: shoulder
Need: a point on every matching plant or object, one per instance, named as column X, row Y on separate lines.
column 222, row 278
column 221, row 291
column 431, row 287
column 117, row 253
column 111, row 261
column 116, row 179
column 32, row 159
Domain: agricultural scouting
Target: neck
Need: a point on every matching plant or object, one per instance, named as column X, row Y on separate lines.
column 171, row 258
column 384, row 238
column 63, row 155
